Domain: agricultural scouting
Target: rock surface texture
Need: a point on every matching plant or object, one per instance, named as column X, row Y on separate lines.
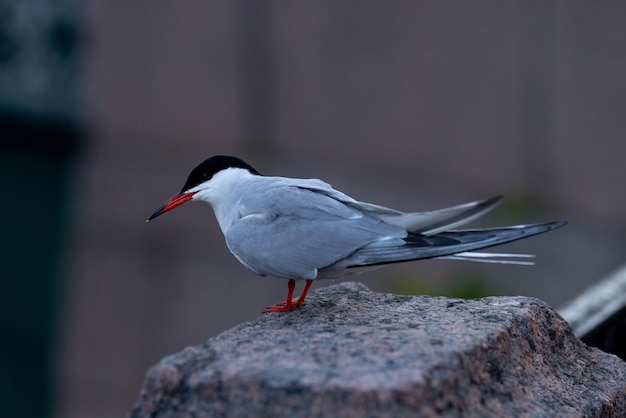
column 352, row 352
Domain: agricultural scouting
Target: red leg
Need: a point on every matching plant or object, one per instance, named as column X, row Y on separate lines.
column 300, row 300
column 287, row 305
column 290, row 304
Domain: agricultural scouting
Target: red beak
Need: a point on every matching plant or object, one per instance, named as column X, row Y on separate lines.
column 175, row 201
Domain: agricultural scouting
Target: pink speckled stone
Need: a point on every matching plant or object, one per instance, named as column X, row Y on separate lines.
column 352, row 352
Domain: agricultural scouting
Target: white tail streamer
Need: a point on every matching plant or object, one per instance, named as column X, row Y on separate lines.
column 496, row 258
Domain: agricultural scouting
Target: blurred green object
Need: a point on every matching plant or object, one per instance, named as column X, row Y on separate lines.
column 520, row 206
column 35, row 181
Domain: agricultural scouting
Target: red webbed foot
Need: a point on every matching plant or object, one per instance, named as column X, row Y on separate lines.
column 290, row 304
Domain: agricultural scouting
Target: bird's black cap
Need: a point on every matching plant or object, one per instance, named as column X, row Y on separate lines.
column 209, row 167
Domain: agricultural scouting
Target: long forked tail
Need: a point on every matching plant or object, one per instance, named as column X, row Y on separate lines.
column 452, row 245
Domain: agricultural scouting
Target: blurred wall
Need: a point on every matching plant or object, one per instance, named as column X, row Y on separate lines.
column 412, row 104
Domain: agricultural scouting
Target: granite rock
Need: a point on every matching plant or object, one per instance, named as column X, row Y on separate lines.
column 352, row 352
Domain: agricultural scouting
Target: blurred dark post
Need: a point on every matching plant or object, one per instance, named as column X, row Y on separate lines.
column 39, row 138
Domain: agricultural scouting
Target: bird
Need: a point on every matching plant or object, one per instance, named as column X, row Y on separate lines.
column 304, row 229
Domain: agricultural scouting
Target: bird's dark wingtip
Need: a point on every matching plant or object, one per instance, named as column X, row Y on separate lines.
column 492, row 202
column 556, row 224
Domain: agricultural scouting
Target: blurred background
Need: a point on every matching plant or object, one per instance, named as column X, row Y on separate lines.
column 105, row 107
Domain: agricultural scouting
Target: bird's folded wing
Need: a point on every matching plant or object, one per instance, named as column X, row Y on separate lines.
column 425, row 223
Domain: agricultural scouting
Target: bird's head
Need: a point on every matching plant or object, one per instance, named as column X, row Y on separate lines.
column 203, row 181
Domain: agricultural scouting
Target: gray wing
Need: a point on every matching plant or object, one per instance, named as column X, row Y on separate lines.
column 425, row 223
column 293, row 232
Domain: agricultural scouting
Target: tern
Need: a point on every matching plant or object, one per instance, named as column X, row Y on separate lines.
column 303, row 229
